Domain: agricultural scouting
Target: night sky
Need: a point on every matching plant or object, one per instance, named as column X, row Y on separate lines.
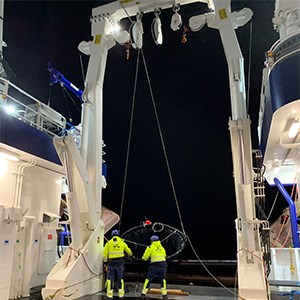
column 191, row 93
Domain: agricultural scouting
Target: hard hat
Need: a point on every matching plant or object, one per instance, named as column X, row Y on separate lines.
column 115, row 232
column 154, row 238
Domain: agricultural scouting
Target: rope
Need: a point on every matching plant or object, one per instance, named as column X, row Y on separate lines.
column 72, row 99
column 129, row 137
column 273, row 205
column 85, row 261
column 160, row 134
column 81, row 67
column 135, row 243
column 52, row 296
column 126, row 12
column 211, row 274
column 65, row 98
column 162, row 142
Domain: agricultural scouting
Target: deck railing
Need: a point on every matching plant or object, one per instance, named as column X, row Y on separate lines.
column 30, row 110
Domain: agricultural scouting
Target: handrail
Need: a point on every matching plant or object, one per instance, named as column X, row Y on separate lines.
column 30, row 110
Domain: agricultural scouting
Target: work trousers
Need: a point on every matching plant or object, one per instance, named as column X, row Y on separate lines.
column 156, row 270
column 115, row 274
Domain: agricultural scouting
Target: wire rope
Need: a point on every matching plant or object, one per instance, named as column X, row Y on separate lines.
column 273, row 205
column 129, row 137
column 72, row 99
column 208, row 271
column 126, row 12
column 160, row 134
column 68, row 108
column 163, row 144
column 81, row 67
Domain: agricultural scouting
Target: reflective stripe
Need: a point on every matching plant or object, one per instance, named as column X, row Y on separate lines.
column 108, row 284
column 156, row 258
column 156, row 252
column 115, row 248
column 163, row 289
column 164, row 285
column 145, row 286
column 112, row 255
column 109, row 291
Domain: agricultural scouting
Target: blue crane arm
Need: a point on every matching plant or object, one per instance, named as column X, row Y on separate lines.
column 57, row 77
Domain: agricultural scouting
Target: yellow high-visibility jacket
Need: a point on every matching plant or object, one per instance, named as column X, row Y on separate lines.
column 115, row 248
column 155, row 252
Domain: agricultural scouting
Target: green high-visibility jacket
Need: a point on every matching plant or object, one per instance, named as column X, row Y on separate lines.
column 155, row 252
column 115, row 248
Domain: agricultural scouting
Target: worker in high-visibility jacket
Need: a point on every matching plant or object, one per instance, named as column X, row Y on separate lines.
column 113, row 255
column 158, row 266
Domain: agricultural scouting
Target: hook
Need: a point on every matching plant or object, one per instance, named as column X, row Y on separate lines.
column 176, row 7
column 157, row 12
column 127, row 46
column 186, row 29
column 139, row 15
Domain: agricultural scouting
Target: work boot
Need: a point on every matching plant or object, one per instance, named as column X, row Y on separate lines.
column 165, row 297
column 143, row 296
column 121, row 293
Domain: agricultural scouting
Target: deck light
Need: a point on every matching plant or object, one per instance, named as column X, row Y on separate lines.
column 10, row 109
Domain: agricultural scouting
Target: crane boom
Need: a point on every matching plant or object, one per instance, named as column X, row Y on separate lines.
column 57, row 77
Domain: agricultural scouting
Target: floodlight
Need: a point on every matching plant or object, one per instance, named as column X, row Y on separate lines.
column 10, row 109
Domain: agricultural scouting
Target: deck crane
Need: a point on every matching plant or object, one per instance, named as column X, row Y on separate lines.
column 75, row 275
column 57, row 77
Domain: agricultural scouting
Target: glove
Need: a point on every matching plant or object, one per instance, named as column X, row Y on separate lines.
column 130, row 258
column 105, row 267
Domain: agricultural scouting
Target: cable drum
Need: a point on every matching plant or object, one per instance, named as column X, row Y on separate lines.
column 138, row 238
